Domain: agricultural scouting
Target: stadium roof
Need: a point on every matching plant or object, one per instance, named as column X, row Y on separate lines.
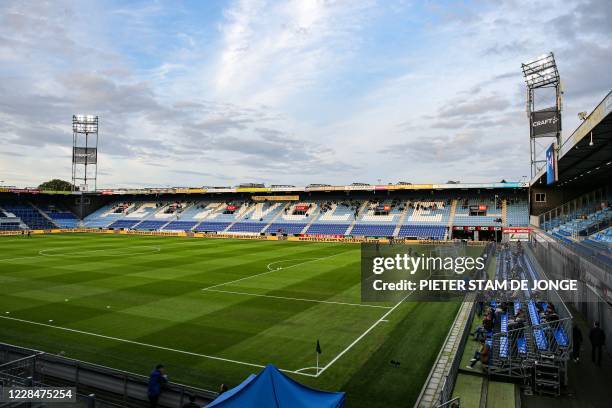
column 579, row 161
column 282, row 189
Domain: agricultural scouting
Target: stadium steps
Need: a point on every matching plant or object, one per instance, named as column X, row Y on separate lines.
column 451, row 216
column 44, row 214
column 313, row 217
column 359, row 213
column 161, row 227
column 504, row 213
column 398, row 227
column 229, row 227
column 287, row 205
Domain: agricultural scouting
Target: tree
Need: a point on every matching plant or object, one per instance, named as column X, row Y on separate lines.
column 55, row 185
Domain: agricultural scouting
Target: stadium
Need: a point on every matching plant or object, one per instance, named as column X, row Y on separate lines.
column 254, row 294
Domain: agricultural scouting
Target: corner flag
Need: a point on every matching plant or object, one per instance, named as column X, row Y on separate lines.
column 318, row 352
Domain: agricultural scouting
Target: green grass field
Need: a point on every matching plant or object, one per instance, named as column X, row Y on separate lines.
column 214, row 311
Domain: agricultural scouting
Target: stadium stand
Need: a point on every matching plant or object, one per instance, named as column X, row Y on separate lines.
column 10, row 222
column 61, row 217
column 386, row 211
column 288, row 228
column 126, row 224
column 472, row 211
column 428, row 212
column 338, row 212
column 602, row 236
column 373, row 230
column 435, row 232
column 517, row 211
column 327, row 229
column 252, row 227
column 33, row 218
column 210, row 226
column 180, row 225
column 528, row 328
column 398, row 216
column 10, row 225
column 301, row 212
column 150, row 225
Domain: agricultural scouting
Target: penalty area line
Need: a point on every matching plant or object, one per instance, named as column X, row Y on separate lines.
column 365, row 333
column 331, row 302
column 191, row 353
column 273, row 270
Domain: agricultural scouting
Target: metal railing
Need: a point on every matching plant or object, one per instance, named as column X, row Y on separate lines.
column 450, row 379
column 581, row 206
column 454, row 403
column 102, row 385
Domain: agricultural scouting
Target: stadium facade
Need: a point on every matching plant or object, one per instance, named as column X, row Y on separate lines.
column 494, row 211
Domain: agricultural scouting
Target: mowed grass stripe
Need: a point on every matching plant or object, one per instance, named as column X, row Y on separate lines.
column 168, row 289
column 157, row 299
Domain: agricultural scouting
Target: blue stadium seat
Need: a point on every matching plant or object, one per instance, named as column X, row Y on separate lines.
column 180, row 225
column 422, row 231
column 285, row 228
column 373, row 230
column 211, row 226
column 327, row 229
column 254, row 227
column 149, row 225
column 30, row 216
column 123, row 224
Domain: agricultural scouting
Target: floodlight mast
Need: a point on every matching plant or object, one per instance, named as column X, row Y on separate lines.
column 544, row 123
column 84, row 152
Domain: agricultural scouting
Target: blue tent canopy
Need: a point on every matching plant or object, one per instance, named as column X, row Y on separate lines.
column 272, row 388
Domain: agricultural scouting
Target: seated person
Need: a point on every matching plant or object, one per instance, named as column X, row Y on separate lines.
column 481, row 331
column 482, row 355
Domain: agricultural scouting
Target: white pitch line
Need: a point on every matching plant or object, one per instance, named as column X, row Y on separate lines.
column 305, row 368
column 18, row 259
column 298, row 299
column 148, row 250
column 42, row 255
column 148, row 345
column 273, row 270
column 365, row 333
column 288, row 260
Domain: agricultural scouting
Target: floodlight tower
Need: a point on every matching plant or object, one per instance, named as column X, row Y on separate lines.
column 84, row 152
column 542, row 77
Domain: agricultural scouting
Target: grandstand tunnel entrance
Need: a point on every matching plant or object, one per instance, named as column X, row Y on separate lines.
column 474, row 234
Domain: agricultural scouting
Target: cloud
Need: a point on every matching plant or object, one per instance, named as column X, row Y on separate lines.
column 288, row 91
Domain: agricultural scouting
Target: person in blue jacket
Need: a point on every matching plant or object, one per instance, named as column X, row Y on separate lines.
column 157, row 380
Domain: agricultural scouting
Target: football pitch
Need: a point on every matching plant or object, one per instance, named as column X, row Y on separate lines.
column 214, row 311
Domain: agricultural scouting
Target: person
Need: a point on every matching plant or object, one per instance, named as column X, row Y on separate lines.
column 191, row 403
column 157, row 380
column 482, row 330
column 598, row 339
column 577, row 336
column 482, row 355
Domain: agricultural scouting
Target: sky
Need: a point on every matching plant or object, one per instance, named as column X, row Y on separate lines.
column 217, row 93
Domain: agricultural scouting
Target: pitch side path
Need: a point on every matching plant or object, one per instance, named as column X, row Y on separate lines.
column 214, row 311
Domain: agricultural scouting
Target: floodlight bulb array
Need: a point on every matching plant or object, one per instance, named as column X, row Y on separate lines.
column 541, row 71
column 84, row 123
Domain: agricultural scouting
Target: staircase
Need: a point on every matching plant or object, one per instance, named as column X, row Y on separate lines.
column 361, row 210
column 504, row 213
column 396, row 231
column 451, row 219
column 312, row 218
column 276, row 217
column 44, row 214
